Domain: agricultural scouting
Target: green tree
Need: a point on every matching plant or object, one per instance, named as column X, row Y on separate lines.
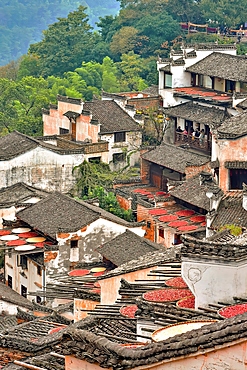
column 224, row 12
column 131, row 67
column 90, row 176
column 66, row 44
column 123, row 41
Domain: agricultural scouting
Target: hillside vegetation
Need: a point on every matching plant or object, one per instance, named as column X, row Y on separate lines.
column 22, row 21
column 75, row 60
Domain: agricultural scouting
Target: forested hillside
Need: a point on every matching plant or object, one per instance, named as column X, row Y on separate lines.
column 75, row 60
column 22, row 21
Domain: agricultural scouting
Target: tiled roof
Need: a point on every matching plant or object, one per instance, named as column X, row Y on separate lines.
column 57, row 213
column 221, row 65
column 198, row 113
column 126, row 247
column 243, row 104
column 233, row 127
column 9, row 295
column 175, row 158
column 148, row 260
column 192, row 192
column 15, row 144
column 231, row 211
column 233, row 250
column 110, row 355
column 109, row 216
column 152, row 90
column 19, row 193
column 111, row 116
column 7, row 321
column 32, row 336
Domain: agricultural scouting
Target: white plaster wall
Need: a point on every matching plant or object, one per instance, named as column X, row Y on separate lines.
column 213, row 282
column 132, row 143
column 41, row 168
column 13, row 270
column 9, row 308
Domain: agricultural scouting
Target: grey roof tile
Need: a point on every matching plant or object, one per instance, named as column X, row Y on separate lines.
column 230, row 211
column 57, row 213
column 198, row 113
column 126, row 247
column 111, row 116
column 19, row 193
column 15, row 144
column 226, row 66
column 175, row 158
column 233, row 127
column 9, row 295
column 192, row 192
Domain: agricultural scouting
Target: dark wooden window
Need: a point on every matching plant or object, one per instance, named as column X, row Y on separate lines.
column 10, row 281
column 161, row 232
column 63, row 131
column 148, row 224
column 119, row 137
column 73, row 243
column 237, row 177
column 39, row 270
column 38, row 299
column 118, row 157
column 94, row 160
column 24, row 291
column 23, row 262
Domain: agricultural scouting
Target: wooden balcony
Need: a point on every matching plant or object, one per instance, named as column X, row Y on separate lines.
column 194, row 142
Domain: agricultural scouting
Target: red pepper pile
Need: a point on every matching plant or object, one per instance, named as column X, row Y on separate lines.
column 185, row 212
column 79, row 272
column 197, row 218
column 187, row 228
column 177, row 282
column 168, row 218
column 231, row 311
column 188, row 302
column 5, row 232
column 157, row 212
column 177, row 223
column 129, row 311
column 166, row 295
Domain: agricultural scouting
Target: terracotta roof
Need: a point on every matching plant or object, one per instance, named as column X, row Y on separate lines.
column 57, row 213
column 190, row 191
column 111, row 116
column 9, row 295
column 233, row 127
column 231, row 211
column 126, row 247
column 109, row 354
column 230, row 67
column 175, row 158
column 19, row 193
column 198, row 113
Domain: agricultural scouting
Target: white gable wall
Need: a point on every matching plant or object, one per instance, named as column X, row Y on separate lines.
column 41, row 168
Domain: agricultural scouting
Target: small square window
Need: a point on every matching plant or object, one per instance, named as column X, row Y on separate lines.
column 73, row 243
column 161, row 232
column 119, row 137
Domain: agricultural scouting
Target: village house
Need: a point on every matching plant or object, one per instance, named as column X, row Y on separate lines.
column 62, row 232
column 201, row 86
column 98, row 121
column 39, row 164
column 16, row 197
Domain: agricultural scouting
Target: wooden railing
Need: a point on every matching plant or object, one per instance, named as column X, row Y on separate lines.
column 193, row 142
